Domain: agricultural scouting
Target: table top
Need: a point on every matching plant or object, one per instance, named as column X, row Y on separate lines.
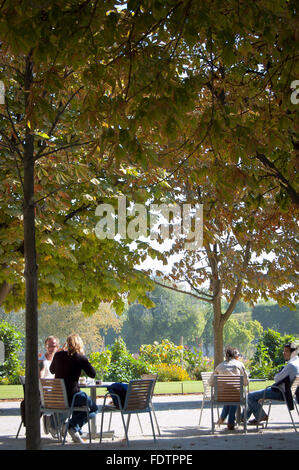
column 94, row 385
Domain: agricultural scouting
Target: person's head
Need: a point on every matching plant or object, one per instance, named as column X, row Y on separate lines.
column 236, row 353
column 289, row 349
column 74, row 344
column 229, row 353
column 51, row 344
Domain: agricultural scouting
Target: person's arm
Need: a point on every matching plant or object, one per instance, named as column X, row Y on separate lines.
column 88, row 368
column 285, row 372
column 41, row 369
column 53, row 365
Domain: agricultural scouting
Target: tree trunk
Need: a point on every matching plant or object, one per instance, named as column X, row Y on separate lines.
column 218, row 325
column 32, row 399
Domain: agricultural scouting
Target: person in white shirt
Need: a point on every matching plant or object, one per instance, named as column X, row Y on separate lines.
column 231, row 366
column 288, row 373
column 51, row 345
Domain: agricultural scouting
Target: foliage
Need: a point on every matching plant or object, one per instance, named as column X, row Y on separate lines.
column 196, row 362
column 11, row 369
column 166, row 352
column 241, row 333
column 123, row 366
column 268, row 358
column 281, row 319
column 171, row 373
column 173, row 315
column 100, row 361
column 70, row 318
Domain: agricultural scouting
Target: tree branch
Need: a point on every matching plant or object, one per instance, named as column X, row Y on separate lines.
column 183, row 292
column 284, row 183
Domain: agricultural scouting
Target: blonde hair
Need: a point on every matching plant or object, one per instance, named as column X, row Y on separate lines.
column 74, row 344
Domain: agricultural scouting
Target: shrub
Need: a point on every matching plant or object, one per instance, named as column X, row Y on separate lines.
column 123, row 366
column 100, row 361
column 11, row 369
column 196, row 363
column 166, row 353
column 268, row 358
column 171, row 373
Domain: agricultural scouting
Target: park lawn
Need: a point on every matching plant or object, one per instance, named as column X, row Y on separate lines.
column 11, row 392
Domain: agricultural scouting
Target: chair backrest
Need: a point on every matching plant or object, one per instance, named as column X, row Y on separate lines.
column 53, row 394
column 205, row 377
column 139, row 394
column 295, row 384
column 150, row 376
column 228, row 389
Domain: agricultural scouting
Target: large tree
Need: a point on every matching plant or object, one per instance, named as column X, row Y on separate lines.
column 247, row 252
column 67, row 127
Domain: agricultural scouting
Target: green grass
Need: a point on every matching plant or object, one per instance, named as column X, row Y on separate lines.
column 162, row 388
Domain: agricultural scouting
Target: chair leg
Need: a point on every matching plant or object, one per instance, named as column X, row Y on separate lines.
column 65, row 431
column 101, row 431
column 88, row 424
column 125, row 428
column 269, row 409
column 212, row 418
column 57, row 426
column 19, row 429
column 152, row 423
column 158, row 428
column 244, row 418
column 139, row 423
column 110, row 419
column 292, row 419
column 202, row 404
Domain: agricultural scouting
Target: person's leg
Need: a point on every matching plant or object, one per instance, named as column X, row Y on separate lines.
column 224, row 412
column 253, row 401
column 79, row 418
column 231, row 415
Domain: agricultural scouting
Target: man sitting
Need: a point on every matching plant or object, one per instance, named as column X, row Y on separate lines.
column 283, row 381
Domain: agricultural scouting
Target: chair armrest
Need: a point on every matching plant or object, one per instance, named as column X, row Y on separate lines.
column 74, row 397
column 111, row 394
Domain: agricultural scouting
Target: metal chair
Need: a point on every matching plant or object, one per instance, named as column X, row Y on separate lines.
column 54, row 401
column 207, row 390
column 137, row 400
column 228, row 390
column 269, row 401
column 154, row 377
column 22, row 405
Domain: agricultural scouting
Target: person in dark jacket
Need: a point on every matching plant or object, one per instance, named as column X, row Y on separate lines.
column 68, row 365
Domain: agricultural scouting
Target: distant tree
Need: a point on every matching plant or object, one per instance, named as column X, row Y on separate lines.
column 172, row 317
column 241, row 334
column 281, row 319
column 64, row 320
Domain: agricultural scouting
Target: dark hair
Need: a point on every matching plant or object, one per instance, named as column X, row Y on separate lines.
column 229, row 352
column 292, row 346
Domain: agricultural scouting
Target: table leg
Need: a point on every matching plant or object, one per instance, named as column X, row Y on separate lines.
column 93, row 424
